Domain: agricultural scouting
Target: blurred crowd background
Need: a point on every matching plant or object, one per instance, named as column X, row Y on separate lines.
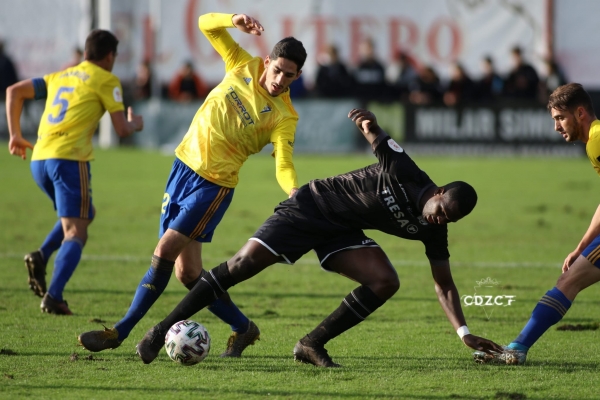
column 460, row 72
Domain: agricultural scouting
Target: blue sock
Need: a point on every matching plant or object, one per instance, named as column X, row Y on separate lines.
column 227, row 311
column 66, row 261
column 52, row 241
column 549, row 310
column 148, row 291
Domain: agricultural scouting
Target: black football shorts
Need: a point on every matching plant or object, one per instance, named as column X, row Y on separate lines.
column 298, row 226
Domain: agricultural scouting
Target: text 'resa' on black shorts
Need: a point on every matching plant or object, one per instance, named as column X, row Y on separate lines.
column 298, row 226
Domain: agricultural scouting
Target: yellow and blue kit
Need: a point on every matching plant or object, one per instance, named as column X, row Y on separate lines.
column 238, row 117
column 592, row 149
column 76, row 99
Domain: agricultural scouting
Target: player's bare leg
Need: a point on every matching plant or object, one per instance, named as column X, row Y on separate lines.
column 67, row 259
column 249, row 261
column 188, row 269
column 371, row 268
column 148, row 291
column 579, row 276
column 549, row 311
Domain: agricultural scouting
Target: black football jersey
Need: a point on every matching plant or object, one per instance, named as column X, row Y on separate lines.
column 383, row 196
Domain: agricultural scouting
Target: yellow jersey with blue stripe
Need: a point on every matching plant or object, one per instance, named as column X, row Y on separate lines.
column 77, row 97
column 238, row 117
column 592, row 147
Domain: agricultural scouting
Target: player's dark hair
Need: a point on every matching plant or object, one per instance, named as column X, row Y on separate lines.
column 463, row 194
column 290, row 48
column 99, row 44
column 570, row 96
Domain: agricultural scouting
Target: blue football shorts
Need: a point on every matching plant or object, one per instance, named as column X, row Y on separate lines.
column 68, row 184
column 298, row 226
column 592, row 252
column 192, row 205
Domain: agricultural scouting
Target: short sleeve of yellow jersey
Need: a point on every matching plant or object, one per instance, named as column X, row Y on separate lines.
column 214, row 27
column 111, row 95
column 77, row 98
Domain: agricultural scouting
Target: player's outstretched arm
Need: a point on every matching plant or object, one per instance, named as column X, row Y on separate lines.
column 367, row 123
column 450, row 301
column 15, row 98
column 125, row 127
column 247, row 24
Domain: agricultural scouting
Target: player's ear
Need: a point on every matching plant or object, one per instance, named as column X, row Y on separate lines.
column 267, row 61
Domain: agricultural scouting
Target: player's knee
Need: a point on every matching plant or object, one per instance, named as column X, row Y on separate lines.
column 188, row 271
column 243, row 266
column 79, row 235
column 241, row 262
column 386, row 285
column 392, row 286
column 185, row 276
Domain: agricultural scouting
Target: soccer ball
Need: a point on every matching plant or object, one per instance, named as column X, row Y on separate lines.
column 187, row 342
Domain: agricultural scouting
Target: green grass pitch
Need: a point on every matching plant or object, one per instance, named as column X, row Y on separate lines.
column 531, row 213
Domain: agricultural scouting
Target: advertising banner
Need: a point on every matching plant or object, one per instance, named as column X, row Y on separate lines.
column 499, row 129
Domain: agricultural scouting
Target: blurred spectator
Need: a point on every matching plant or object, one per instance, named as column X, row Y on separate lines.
column 400, row 74
column 76, row 58
column 554, row 78
column 369, row 73
column 186, row 85
column 8, row 72
column 461, row 88
column 426, row 88
column 490, row 86
column 298, row 89
column 142, row 85
column 333, row 79
column 523, row 80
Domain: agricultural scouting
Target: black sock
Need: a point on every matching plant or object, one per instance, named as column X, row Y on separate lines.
column 190, row 285
column 224, row 297
column 209, row 288
column 358, row 305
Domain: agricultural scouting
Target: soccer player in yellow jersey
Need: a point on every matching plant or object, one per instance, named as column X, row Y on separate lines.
column 574, row 118
column 76, row 99
column 250, row 108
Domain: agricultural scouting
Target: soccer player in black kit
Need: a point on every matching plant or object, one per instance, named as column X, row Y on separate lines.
column 328, row 215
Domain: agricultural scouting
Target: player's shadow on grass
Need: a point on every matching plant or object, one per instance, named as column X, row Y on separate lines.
column 198, row 390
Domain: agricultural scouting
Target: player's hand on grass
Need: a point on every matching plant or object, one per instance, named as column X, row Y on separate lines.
column 136, row 120
column 17, row 146
column 570, row 260
column 247, row 24
column 481, row 344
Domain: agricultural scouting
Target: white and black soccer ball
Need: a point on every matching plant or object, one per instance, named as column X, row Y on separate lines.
column 187, row 342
